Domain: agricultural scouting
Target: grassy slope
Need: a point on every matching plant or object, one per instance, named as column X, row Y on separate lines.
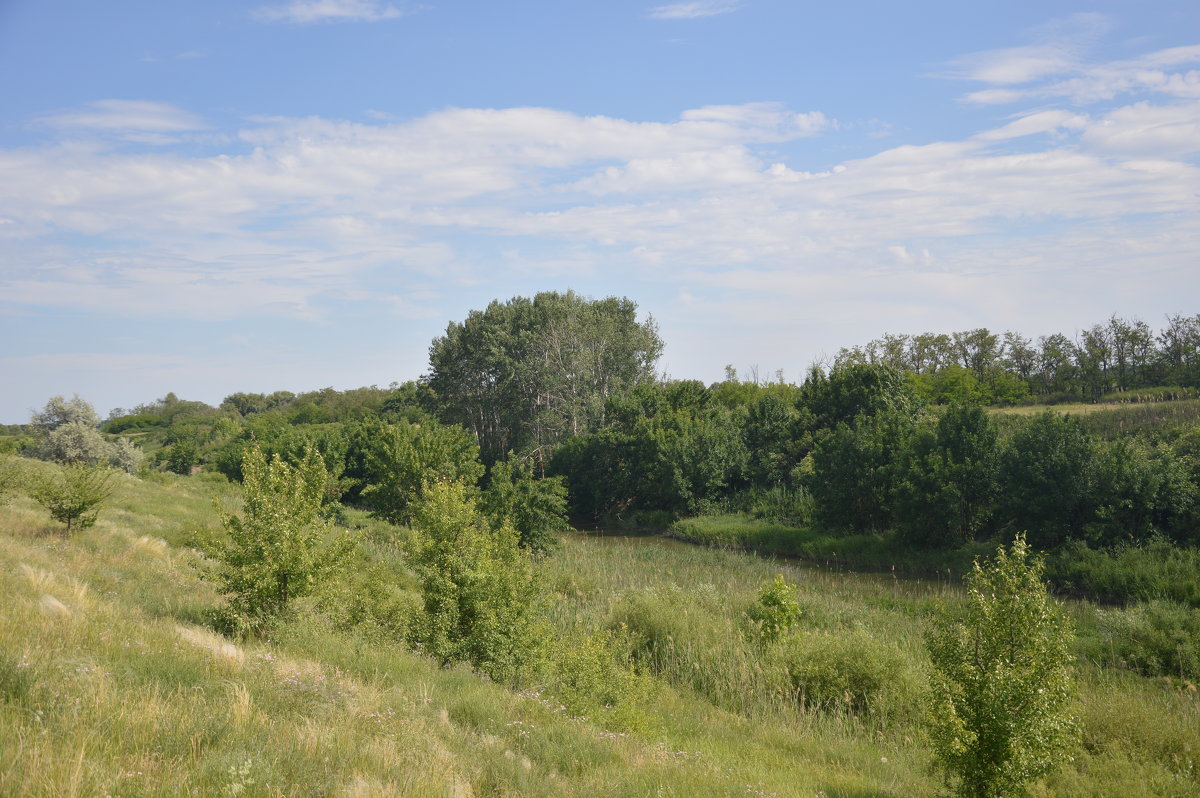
column 109, row 685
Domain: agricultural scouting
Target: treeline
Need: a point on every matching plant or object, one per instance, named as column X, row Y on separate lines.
column 1121, row 357
column 857, row 451
column 551, row 406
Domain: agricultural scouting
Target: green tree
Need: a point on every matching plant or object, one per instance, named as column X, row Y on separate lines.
column 948, row 483
column 74, row 495
column 855, row 389
column 278, row 549
column 536, row 508
column 854, row 472
column 59, row 411
column 1048, row 479
column 1002, row 679
column 527, row 373
column 401, row 459
column 478, row 586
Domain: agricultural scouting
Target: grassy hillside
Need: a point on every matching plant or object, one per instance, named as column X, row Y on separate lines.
column 110, row 683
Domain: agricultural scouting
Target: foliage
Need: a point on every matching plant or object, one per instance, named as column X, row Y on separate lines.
column 1142, row 571
column 670, row 449
column 854, row 470
column 948, row 480
column 59, row 411
column 1154, row 638
column 11, row 476
column 536, row 508
column 775, row 611
column 848, row 670
column 277, row 550
column 479, row 588
column 592, row 678
column 401, row 459
column 527, row 373
column 125, row 455
column 856, row 389
column 73, row 495
column 1141, row 492
column 1002, row 679
column 1048, row 478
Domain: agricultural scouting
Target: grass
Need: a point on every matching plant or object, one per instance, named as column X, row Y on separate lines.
column 881, row 553
column 111, row 684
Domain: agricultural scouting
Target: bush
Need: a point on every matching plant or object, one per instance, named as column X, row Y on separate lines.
column 478, row 587
column 1155, row 638
column 74, row 495
column 277, row 550
column 776, row 611
column 1002, row 679
column 1153, row 569
column 848, row 671
column 10, row 476
column 593, row 678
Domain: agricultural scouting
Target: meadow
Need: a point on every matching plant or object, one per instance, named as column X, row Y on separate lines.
column 112, row 683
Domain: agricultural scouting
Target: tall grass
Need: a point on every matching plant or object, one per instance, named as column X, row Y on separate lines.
column 110, row 684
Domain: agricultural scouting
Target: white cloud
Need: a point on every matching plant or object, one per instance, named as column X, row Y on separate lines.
column 306, row 11
column 1145, row 130
column 1060, row 72
column 296, row 213
column 127, row 116
column 693, row 10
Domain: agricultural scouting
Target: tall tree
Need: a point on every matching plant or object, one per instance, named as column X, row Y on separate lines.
column 527, row 373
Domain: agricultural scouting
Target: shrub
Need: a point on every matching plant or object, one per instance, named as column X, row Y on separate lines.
column 593, row 678
column 10, row 476
column 1002, row 679
column 1155, row 638
column 277, row 550
column 478, row 587
column 847, row 670
column 74, row 495
column 776, row 611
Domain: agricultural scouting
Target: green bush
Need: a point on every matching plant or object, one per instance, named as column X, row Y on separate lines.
column 74, row 494
column 848, row 670
column 278, row 549
column 478, row 586
column 775, row 611
column 592, row 677
column 1154, row 638
column 1155, row 569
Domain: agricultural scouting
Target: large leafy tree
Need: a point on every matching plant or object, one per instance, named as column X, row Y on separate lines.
column 402, row 459
column 854, row 472
column 523, row 375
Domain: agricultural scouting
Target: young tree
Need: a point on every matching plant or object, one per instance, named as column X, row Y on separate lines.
column 73, row 496
column 277, row 550
column 1002, row 679
column 478, row 585
column 536, row 508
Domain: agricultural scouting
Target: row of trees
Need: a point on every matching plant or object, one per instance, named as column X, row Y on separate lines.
column 562, row 387
column 979, row 365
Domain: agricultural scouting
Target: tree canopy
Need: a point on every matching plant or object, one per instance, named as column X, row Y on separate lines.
column 526, row 373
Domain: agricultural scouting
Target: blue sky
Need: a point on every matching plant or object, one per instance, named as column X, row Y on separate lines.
column 209, row 197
